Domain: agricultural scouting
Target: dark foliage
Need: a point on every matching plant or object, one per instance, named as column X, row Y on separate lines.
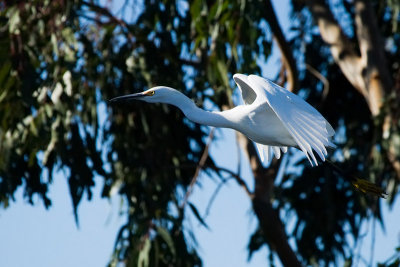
column 62, row 60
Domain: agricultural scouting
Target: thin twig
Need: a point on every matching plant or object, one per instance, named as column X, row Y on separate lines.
column 358, row 246
column 286, row 53
column 239, row 154
column 189, row 62
column 233, row 175
column 320, row 77
column 238, row 179
column 371, row 259
column 99, row 10
column 200, row 166
column 213, row 197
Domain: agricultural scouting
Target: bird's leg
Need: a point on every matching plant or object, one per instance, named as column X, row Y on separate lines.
column 368, row 188
column 361, row 184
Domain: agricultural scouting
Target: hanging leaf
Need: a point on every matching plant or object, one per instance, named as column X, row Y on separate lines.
column 167, row 238
column 197, row 215
column 143, row 259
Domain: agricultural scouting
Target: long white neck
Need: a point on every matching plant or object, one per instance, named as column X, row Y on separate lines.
column 196, row 114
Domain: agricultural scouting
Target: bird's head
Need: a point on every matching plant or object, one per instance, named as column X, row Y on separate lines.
column 159, row 94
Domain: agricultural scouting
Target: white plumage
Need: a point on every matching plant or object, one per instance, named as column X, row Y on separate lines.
column 296, row 122
column 273, row 117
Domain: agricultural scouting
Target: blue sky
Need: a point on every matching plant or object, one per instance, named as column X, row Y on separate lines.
column 33, row 236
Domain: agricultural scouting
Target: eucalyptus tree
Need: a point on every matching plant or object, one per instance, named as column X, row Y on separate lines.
column 62, row 60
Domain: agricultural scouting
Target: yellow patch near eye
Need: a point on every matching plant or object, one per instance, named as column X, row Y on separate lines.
column 149, row 93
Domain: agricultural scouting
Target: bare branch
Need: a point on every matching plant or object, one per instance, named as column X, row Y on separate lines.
column 375, row 72
column 233, row 175
column 238, row 179
column 341, row 47
column 213, row 196
column 287, row 56
column 321, row 77
column 372, row 249
column 200, row 166
column 113, row 19
column 368, row 73
column 190, row 62
column 391, row 154
column 268, row 217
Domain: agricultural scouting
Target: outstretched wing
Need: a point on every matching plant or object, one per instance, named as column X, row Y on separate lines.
column 307, row 126
column 247, row 92
column 249, row 96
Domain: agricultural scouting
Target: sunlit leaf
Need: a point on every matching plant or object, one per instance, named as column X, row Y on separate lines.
column 143, row 259
column 167, row 238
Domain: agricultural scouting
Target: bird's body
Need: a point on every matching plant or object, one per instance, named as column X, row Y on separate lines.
column 261, row 125
column 258, row 122
column 271, row 116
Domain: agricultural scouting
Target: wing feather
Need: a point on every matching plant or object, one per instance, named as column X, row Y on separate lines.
column 300, row 142
column 248, row 94
column 314, row 142
column 277, row 151
column 260, row 149
column 306, row 125
column 267, row 152
column 318, row 136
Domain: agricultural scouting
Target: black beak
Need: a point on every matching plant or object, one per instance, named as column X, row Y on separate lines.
column 127, row 97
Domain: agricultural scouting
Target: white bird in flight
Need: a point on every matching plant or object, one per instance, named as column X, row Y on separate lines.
column 273, row 117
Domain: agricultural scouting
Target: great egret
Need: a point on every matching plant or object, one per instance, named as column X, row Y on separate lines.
column 273, row 117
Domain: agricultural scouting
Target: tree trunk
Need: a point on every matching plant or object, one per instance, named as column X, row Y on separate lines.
column 365, row 69
column 268, row 217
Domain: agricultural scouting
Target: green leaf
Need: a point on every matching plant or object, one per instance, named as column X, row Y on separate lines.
column 197, row 214
column 195, row 8
column 257, row 240
column 223, row 72
column 54, row 44
column 164, row 234
column 69, row 37
column 14, row 21
column 143, row 259
column 4, row 70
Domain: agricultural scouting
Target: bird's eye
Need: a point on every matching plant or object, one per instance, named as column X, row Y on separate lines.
column 151, row 93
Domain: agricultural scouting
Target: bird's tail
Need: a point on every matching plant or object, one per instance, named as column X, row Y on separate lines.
column 361, row 184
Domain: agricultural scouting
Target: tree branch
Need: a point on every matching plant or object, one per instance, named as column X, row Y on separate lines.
column 192, row 63
column 321, row 77
column 233, row 175
column 375, row 72
column 368, row 73
column 341, row 47
column 238, row 179
column 287, row 56
column 113, row 19
column 268, row 217
column 213, row 197
column 200, row 166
